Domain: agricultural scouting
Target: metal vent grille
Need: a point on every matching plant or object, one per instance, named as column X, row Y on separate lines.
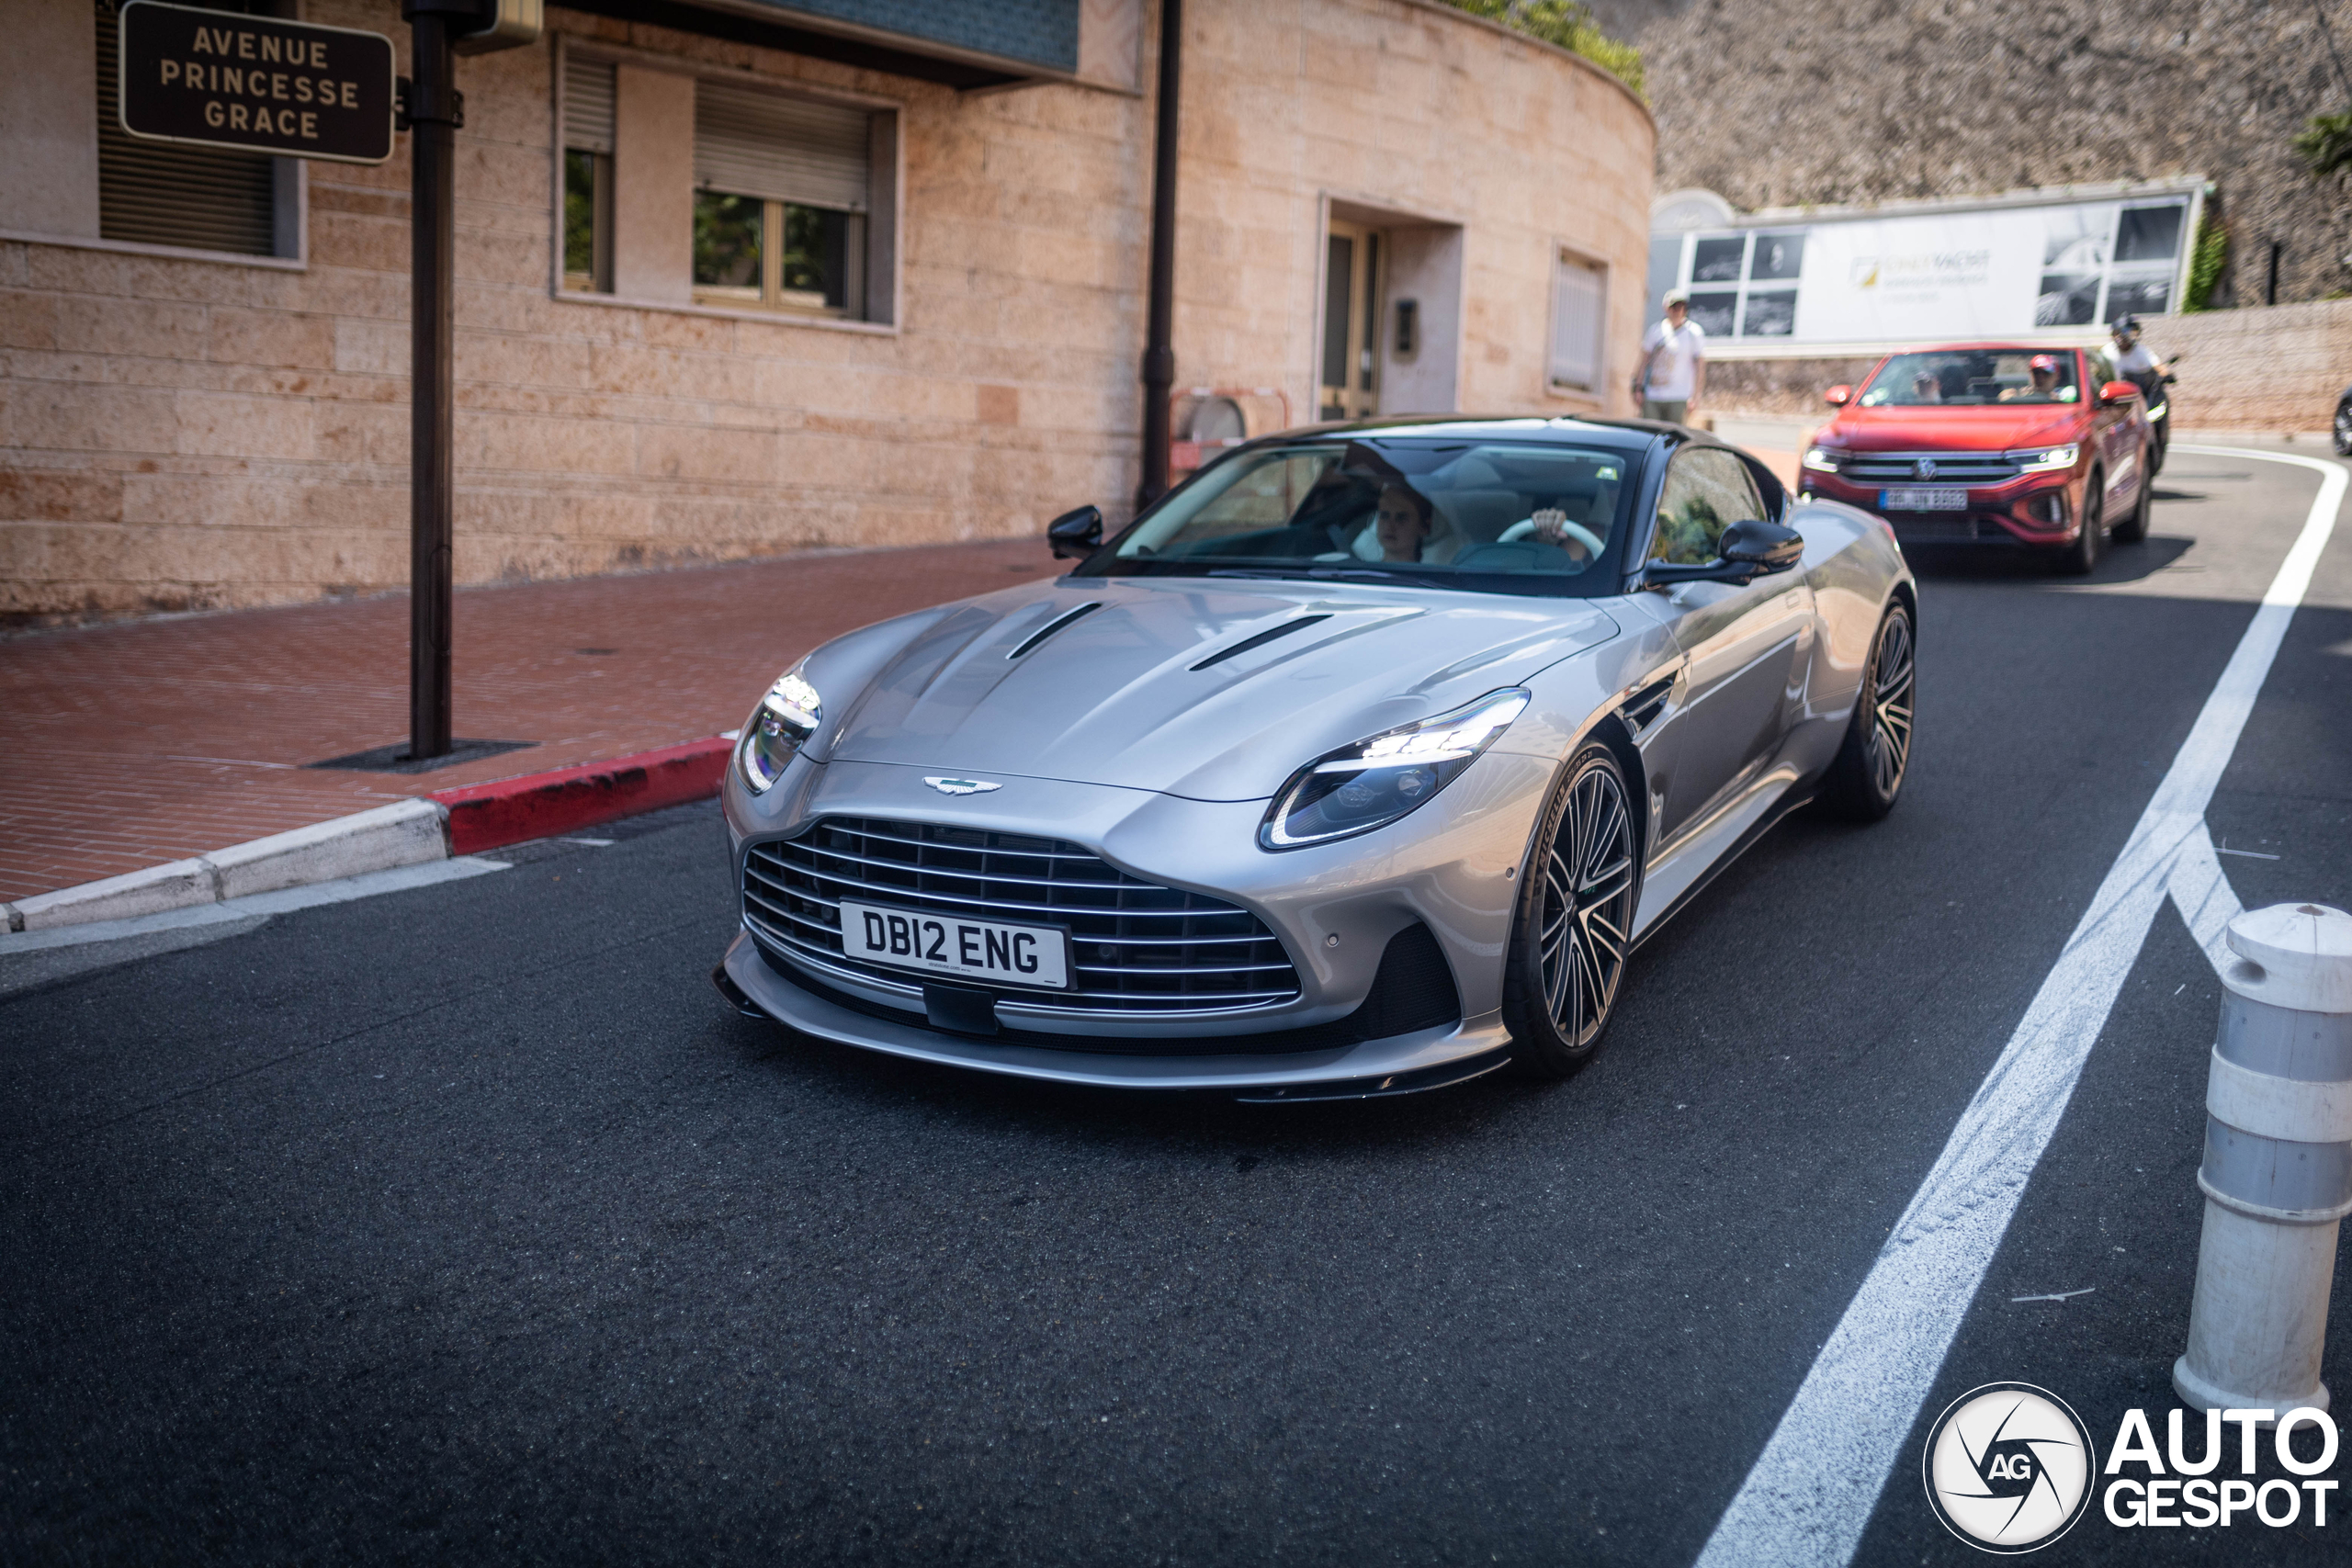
column 587, row 104
column 1135, row 945
column 156, row 193
column 787, row 149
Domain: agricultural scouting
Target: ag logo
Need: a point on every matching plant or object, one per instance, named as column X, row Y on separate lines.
column 2009, row 1467
column 1923, row 468
column 960, row 786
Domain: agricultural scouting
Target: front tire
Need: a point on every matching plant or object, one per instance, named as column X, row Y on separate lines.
column 2134, row 528
column 2079, row 558
column 1870, row 766
column 1575, row 922
column 2343, row 428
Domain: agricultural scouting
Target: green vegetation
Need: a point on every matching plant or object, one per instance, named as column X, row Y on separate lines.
column 2207, row 257
column 2325, row 143
column 1568, row 24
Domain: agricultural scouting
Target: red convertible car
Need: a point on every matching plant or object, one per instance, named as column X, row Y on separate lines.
column 1995, row 444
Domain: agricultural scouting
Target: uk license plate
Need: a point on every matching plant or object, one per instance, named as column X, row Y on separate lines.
column 1915, row 497
column 996, row 952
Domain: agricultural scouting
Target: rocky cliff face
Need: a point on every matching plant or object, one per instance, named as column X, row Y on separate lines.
column 1790, row 102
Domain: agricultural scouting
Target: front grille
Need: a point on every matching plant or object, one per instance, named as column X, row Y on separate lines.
column 1952, row 467
column 1931, row 528
column 1135, row 945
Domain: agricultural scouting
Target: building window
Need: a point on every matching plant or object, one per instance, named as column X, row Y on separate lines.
column 1580, row 315
column 160, row 192
column 588, row 175
column 783, row 197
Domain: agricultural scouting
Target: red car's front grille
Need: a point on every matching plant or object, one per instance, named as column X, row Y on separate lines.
column 1929, row 467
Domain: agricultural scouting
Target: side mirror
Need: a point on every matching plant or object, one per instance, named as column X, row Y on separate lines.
column 1838, row 397
column 1768, row 546
column 1743, row 549
column 1075, row 534
column 2116, row 392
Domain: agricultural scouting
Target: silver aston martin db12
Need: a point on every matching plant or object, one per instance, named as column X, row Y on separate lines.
column 1357, row 765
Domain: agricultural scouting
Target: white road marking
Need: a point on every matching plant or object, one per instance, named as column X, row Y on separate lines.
column 285, row 900
column 2201, row 891
column 1811, row 1493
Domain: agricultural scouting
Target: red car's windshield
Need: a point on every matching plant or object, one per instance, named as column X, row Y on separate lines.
column 1967, row 377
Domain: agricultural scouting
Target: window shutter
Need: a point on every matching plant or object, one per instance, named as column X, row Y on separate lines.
column 587, row 104
column 157, row 193
column 1575, row 322
column 783, row 149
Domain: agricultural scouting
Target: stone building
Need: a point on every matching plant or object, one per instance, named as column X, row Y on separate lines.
column 738, row 278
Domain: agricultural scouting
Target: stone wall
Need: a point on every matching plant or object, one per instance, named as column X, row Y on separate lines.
column 184, row 433
column 2275, row 368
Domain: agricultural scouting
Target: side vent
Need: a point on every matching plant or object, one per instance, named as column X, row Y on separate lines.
column 1261, row 639
column 1057, row 624
column 1642, row 709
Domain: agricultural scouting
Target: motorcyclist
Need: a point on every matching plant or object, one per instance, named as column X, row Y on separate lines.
column 2136, row 364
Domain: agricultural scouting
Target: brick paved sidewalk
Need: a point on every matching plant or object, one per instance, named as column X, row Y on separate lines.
column 126, row 746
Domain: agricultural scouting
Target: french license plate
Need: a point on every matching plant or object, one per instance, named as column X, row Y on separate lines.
column 999, row 953
column 1913, row 498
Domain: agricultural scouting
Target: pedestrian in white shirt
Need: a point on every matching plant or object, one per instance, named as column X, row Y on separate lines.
column 1674, row 365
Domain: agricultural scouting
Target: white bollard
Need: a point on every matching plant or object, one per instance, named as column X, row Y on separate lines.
column 2278, row 1171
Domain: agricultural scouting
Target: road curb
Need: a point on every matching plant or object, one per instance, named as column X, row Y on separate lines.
column 491, row 815
column 406, row 832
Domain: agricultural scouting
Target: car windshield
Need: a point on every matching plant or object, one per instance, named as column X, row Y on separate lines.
column 1495, row 516
column 1974, row 378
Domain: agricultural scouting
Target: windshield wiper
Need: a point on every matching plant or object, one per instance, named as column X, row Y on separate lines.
column 1317, row 573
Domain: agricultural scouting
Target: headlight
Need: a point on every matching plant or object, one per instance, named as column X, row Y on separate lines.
column 1376, row 781
column 1821, row 458
column 779, row 727
column 2047, row 462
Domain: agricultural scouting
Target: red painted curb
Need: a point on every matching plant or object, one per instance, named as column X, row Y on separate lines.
column 489, row 816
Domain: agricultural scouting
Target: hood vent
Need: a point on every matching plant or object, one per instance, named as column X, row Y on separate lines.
column 1050, row 628
column 1297, row 624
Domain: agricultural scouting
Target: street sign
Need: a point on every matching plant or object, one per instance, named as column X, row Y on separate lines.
column 255, row 84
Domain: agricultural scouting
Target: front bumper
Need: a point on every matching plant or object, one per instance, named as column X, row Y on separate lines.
column 1448, row 867
column 1426, row 1058
column 2035, row 511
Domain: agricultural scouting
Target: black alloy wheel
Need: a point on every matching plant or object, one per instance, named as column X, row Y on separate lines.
column 2343, row 428
column 1575, row 922
column 2134, row 528
column 1868, row 774
column 2077, row 558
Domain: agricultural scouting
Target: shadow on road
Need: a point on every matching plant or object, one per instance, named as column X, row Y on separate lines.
column 2120, row 563
column 1098, row 1118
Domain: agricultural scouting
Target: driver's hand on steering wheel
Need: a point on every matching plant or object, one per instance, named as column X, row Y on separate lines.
column 1548, row 529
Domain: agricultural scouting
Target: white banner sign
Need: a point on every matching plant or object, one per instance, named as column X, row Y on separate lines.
column 1951, row 276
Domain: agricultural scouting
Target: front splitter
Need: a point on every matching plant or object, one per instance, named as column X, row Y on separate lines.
column 1404, row 1059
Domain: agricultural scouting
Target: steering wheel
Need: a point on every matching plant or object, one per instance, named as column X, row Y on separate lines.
column 1525, row 528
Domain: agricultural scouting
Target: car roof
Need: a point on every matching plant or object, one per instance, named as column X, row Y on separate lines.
column 1996, row 345
column 1619, row 433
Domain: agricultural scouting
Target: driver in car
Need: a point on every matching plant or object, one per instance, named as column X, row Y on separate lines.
column 2042, row 389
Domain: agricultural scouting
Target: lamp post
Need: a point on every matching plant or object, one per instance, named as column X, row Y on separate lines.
column 1160, row 354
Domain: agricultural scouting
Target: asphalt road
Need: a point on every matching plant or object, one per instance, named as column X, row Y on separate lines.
column 466, row 1224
